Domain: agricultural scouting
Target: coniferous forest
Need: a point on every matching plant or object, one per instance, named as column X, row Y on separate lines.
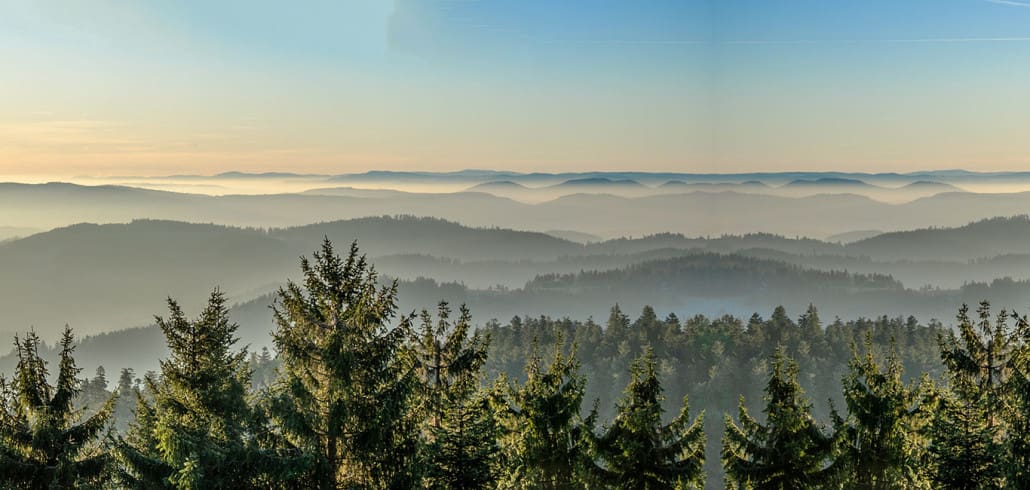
column 616, row 244
column 359, row 395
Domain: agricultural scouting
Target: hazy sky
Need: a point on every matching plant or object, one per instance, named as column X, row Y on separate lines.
column 145, row 87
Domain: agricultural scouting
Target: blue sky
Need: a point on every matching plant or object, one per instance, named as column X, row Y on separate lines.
column 149, row 87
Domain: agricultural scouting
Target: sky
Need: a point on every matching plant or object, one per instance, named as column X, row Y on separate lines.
column 147, row 87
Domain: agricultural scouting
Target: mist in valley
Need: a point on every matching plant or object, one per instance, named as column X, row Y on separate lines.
column 682, row 243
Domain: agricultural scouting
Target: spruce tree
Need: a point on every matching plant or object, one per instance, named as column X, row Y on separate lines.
column 780, row 330
column 44, row 443
column 545, row 440
column 1018, row 441
column 639, row 452
column 789, row 451
column 199, row 422
column 125, row 405
column 347, row 376
column 92, row 394
column 810, row 326
column 263, row 369
column 457, row 424
column 967, row 446
column 879, row 442
column 963, row 452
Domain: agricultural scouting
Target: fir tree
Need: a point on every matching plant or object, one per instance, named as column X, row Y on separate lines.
column 262, row 368
column 140, row 463
column 968, row 426
column 1018, row 440
column 979, row 360
column 638, row 451
column 879, row 443
column 810, row 326
column 44, row 443
column 199, row 423
column 125, row 405
column 458, row 427
column 93, row 394
column 789, row 451
column 347, row 377
column 780, row 329
column 545, row 440
column 963, row 451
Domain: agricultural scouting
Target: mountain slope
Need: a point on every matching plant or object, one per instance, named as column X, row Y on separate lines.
column 591, row 209
column 985, row 238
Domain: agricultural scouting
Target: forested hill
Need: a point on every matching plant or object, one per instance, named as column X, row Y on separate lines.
column 386, row 235
column 713, row 275
column 842, row 294
column 591, row 295
column 526, row 393
column 107, row 277
column 984, row 238
column 104, row 277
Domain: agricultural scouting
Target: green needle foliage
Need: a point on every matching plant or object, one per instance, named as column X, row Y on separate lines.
column 879, row 443
column 92, row 394
column 545, row 440
column 353, row 398
column 347, row 377
column 43, row 442
column 197, row 432
column 969, row 423
column 125, row 406
column 963, row 452
column 458, row 426
column 1018, row 444
column 638, row 451
column 789, row 451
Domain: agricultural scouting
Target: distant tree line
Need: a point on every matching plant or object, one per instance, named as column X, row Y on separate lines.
column 357, row 398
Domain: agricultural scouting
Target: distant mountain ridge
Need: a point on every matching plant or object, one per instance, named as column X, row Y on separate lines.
column 478, row 176
column 599, row 211
column 828, row 181
column 103, row 277
column 599, row 181
column 497, row 184
column 116, row 275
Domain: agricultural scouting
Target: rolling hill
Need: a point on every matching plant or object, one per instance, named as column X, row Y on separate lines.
column 980, row 239
column 118, row 275
column 695, row 212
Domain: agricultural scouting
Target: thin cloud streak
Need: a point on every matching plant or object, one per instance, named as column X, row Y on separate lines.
column 624, row 42
column 774, row 42
column 1011, row 3
column 941, row 40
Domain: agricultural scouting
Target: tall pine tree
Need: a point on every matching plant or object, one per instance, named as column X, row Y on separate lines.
column 43, row 442
column 1018, row 441
column 199, row 422
column 879, row 443
column 125, row 406
column 967, row 431
column 789, row 451
column 639, row 452
column 92, row 394
column 457, row 425
column 545, row 439
column 347, row 376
